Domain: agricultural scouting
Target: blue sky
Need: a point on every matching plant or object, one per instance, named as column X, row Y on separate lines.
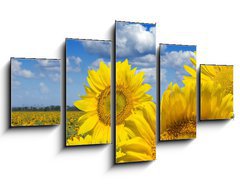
column 172, row 60
column 137, row 43
column 83, row 55
column 35, row 82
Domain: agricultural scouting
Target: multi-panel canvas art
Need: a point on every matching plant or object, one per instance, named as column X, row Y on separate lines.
column 133, row 93
column 135, row 88
column 177, row 92
column 88, row 96
column 35, row 92
column 216, row 92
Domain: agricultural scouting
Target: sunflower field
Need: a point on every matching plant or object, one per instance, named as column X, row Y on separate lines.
column 35, row 118
column 72, row 123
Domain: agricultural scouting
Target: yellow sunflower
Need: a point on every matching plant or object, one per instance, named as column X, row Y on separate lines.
column 178, row 112
column 135, row 116
column 135, row 113
column 219, row 74
column 130, row 93
column 95, row 105
column 178, row 108
column 141, row 145
column 215, row 103
column 192, row 71
column 216, row 92
column 76, row 140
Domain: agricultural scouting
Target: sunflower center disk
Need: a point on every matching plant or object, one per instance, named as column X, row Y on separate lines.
column 104, row 106
column 225, row 78
column 124, row 104
column 181, row 130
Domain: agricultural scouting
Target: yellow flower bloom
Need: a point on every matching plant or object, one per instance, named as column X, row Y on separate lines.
column 141, row 145
column 219, row 74
column 192, row 72
column 79, row 140
column 35, row 118
column 136, row 120
column 216, row 92
column 130, row 93
column 178, row 112
column 178, row 108
column 135, row 113
column 96, row 117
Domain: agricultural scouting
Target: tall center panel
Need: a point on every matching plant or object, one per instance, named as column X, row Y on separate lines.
column 135, row 92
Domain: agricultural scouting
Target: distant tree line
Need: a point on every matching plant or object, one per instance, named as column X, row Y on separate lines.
column 42, row 108
column 72, row 108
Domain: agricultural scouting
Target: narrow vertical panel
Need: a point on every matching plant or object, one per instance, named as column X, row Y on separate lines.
column 35, row 92
column 216, row 92
column 135, row 89
column 88, row 84
column 177, row 92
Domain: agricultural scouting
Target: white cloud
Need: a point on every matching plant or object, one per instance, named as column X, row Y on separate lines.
column 180, row 74
column 74, row 59
column 54, row 77
column 73, row 64
column 144, row 61
column 16, row 83
column 49, row 65
column 42, row 75
column 43, row 88
column 134, row 39
column 163, row 75
column 69, row 80
column 50, row 69
column 17, row 70
column 149, row 74
column 95, row 64
column 176, row 59
column 43, row 63
column 163, row 48
column 102, row 48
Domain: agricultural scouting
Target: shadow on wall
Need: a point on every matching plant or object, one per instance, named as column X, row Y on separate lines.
column 7, row 96
column 158, row 81
column 113, row 96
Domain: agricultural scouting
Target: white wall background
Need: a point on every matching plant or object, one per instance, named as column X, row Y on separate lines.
column 34, row 156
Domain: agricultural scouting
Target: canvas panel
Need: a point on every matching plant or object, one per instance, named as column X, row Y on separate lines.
column 35, row 92
column 135, row 92
column 216, row 92
column 88, row 84
column 177, row 92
